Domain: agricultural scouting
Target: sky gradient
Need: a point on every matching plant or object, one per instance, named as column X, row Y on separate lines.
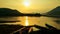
column 40, row 6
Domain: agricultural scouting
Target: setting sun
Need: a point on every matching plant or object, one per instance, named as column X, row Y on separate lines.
column 26, row 3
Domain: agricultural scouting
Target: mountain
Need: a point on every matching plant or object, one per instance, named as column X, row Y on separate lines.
column 9, row 12
column 54, row 13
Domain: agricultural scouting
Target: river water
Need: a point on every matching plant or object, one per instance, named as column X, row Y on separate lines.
column 41, row 21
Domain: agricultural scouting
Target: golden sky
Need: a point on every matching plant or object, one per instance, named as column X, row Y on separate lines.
column 30, row 6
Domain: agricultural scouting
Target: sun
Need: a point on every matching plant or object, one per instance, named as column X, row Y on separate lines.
column 26, row 3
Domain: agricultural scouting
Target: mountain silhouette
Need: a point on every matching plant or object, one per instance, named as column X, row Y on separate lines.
column 54, row 13
column 9, row 12
column 32, row 15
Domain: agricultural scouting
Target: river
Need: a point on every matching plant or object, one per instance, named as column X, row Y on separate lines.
column 41, row 21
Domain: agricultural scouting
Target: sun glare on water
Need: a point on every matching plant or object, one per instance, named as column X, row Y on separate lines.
column 26, row 22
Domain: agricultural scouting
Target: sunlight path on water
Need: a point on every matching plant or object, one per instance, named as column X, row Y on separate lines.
column 26, row 22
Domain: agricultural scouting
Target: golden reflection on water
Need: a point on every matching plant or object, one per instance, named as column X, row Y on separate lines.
column 41, row 21
column 26, row 22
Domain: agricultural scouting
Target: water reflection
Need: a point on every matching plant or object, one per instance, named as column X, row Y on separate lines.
column 32, row 20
